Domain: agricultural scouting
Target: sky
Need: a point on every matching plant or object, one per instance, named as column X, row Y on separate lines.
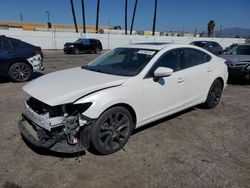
column 173, row 15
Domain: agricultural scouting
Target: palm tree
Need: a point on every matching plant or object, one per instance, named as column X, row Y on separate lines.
column 126, row 17
column 210, row 28
column 154, row 20
column 74, row 15
column 133, row 18
column 83, row 17
column 97, row 15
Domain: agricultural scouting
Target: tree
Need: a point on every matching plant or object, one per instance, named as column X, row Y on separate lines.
column 97, row 15
column 83, row 17
column 154, row 20
column 74, row 15
column 126, row 17
column 133, row 17
column 210, row 28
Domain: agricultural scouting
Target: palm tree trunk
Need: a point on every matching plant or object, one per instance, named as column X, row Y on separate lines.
column 74, row 15
column 97, row 15
column 133, row 18
column 154, row 20
column 126, row 17
column 83, row 17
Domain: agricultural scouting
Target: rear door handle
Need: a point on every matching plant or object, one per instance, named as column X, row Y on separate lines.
column 180, row 80
column 210, row 69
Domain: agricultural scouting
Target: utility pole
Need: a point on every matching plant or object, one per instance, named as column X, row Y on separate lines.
column 133, row 18
column 97, row 15
column 126, row 17
column 83, row 17
column 74, row 15
column 220, row 30
column 48, row 15
column 154, row 20
column 21, row 17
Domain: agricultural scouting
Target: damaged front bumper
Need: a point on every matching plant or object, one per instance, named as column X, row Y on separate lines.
column 54, row 140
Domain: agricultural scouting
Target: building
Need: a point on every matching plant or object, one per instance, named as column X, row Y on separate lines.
column 44, row 27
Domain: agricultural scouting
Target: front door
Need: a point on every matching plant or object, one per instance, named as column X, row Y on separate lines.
column 164, row 95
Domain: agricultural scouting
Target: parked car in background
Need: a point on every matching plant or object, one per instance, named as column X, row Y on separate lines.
column 100, row 104
column 18, row 59
column 83, row 45
column 211, row 46
column 238, row 60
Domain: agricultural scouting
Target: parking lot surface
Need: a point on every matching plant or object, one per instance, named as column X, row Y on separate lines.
column 194, row 148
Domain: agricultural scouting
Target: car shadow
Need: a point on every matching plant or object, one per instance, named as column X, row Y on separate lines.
column 46, row 152
column 237, row 80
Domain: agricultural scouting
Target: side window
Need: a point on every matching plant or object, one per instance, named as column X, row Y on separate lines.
column 85, row 41
column 190, row 57
column 6, row 44
column 1, row 44
column 169, row 60
column 16, row 43
column 243, row 50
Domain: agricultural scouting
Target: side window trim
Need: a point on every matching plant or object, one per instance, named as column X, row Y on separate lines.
column 207, row 58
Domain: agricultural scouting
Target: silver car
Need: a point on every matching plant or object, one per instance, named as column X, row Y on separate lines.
column 238, row 60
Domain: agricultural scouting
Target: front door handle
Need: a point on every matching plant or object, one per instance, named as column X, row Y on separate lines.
column 180, row 80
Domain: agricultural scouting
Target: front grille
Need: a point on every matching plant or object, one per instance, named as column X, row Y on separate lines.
column 42, row 108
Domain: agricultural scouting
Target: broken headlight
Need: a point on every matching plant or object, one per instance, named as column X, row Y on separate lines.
column 74, row 109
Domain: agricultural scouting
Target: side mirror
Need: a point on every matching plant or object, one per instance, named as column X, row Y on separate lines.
column 163, row 72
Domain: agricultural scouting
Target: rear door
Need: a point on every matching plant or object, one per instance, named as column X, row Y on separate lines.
column 198, row 69
column 6, row 54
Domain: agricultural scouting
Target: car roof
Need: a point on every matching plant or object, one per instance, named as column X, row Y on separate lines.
column 204, row 41
column 157, row 45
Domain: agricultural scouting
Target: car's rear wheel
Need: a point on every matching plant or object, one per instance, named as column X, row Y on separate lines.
column 214, row 94
column 97, row 50
column 75, row 51
column 20, row 72
column 112, row 130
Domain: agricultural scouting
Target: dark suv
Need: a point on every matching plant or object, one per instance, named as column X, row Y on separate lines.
column 18, row 59
column 83, row 45
column 211, row 46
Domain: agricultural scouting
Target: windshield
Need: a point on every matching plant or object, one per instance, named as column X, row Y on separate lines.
column 78, row 41
column 239, row 50
column 122, row 61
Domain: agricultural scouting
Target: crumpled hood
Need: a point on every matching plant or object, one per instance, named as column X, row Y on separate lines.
column 68, row 85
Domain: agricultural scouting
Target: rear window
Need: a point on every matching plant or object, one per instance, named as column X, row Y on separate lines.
column 190, row 57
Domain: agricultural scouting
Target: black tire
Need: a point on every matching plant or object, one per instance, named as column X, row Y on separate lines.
column 112, row 130
column 214, row 94
column 76, row 51
column 97, row 50
column 20, row 72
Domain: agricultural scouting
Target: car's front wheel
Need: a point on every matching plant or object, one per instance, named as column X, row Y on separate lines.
column 214, row 94
column 20, row 72
column 75, row 51
column 112, row 130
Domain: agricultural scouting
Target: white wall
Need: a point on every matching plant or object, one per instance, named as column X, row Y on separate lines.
column 56, row 40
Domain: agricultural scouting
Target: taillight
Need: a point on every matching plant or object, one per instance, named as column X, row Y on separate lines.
column 37, row 51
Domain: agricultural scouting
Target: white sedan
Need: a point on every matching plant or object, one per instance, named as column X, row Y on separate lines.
column 101, row 103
